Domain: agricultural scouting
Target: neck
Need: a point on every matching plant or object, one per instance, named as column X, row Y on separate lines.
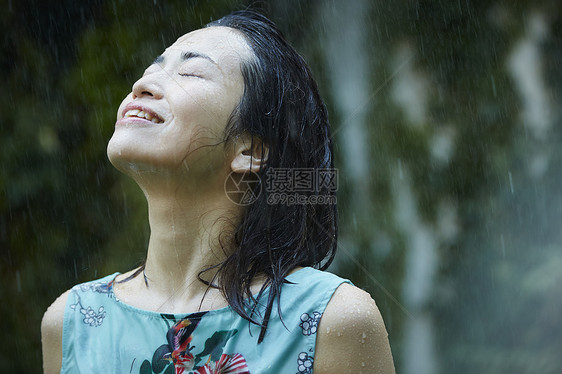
column 185, row 231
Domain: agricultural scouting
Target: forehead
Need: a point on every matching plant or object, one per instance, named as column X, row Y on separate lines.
column 224, row 45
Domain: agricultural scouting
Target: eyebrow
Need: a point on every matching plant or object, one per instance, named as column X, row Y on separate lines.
column 185, row 56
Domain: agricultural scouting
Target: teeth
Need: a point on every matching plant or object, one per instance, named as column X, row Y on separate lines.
column 142, row 114
column 132, row 113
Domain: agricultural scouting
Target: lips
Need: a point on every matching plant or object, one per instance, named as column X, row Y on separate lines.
column 141, row 112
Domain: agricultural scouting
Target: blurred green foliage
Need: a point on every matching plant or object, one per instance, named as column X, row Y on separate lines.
column 67, row 216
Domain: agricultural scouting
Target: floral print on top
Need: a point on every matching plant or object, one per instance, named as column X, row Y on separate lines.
column 91, row 317
column 177, row 353
column 103, row 334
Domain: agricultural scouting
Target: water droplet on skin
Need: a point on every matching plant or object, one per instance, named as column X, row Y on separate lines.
column 363, row 336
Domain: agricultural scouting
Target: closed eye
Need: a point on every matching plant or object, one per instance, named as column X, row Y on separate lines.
column 190, row 75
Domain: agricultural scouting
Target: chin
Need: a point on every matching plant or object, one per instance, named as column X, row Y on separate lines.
column 126, row 157
column 116, row 151
column 135, row 160
column 134, row 154
column 120, row 159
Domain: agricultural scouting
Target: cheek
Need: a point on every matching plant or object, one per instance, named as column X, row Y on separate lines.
column 204, row 115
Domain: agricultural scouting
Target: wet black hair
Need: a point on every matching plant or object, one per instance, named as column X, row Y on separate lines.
column 282, row 107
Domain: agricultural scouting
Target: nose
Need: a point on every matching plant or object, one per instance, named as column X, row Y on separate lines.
column 147, row 86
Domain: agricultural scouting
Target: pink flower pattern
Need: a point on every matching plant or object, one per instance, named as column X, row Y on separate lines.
column 227, row 364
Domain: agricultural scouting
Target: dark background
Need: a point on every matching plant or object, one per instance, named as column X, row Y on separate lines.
column 447, row 123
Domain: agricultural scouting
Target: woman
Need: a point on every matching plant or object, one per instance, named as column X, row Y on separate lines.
column 226, row 287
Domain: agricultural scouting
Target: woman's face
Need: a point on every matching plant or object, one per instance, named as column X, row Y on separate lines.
column 175, row 116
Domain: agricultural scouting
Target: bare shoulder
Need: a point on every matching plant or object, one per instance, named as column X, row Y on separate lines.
column 352, row 337
column 51, row 335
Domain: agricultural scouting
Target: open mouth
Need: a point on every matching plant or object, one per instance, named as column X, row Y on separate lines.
column 144, row 115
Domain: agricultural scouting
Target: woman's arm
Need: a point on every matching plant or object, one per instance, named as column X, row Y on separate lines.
column 352, row 337
column 51, row 335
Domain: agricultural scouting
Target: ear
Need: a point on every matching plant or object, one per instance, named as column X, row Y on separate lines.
column 250, row 153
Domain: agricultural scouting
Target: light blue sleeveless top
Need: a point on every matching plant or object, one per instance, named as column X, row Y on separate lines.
column 104, row 335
